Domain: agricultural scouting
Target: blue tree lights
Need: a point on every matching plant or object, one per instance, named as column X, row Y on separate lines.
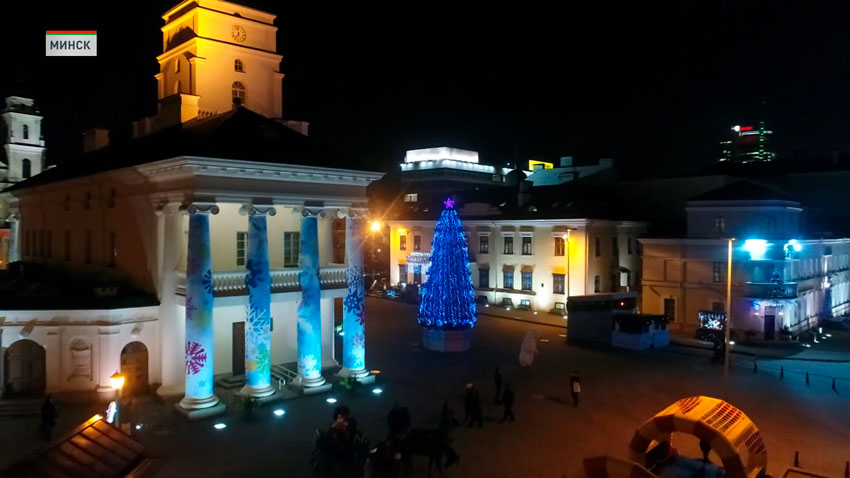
column 448, row 299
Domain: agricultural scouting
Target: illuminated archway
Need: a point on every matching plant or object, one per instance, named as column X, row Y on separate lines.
column 729, row 431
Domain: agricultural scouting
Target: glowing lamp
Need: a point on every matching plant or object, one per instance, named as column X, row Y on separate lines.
column 376, row 226
column 374, row 372
column 279, row 412
column 330, row 400
column 756, row 247
column 97, row 417
column 219, row 426
column 377, row 391
column 116, row 381
column 139, row 426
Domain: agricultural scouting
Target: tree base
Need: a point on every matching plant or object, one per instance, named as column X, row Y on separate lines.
column 440, row 340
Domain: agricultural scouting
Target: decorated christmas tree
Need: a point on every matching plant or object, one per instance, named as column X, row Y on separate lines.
column 448, row 299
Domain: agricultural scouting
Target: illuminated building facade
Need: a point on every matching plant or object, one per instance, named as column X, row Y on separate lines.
column 748, row 144
column 781, row 281
column 203, row 250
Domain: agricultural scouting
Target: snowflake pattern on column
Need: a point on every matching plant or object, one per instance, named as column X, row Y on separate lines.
column 196, row 358
column 309, row 313
column 354, row 314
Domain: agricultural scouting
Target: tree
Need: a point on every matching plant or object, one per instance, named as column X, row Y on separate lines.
column 448, row 299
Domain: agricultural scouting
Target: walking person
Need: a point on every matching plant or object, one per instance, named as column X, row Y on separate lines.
column 575, row 386
column 508, row 402
column 497, row 379
column 467, row 404
column 475, row 411
column 48, row 417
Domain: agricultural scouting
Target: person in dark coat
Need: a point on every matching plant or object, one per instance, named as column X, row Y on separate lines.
column 475, row 411
column 467, row 403
column 497, row 380
column 508, row 402
column 48, row 417
column 394, row 421
column 575, row 386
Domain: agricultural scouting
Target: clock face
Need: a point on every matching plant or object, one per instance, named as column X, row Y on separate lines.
column 238, row 33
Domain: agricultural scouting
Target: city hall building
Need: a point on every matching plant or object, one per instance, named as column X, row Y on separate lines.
column 213, row 243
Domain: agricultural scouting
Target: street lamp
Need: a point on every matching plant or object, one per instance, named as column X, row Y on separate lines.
column 117, row 382
column 728, row 310
column 566, row 238
column 376, row 226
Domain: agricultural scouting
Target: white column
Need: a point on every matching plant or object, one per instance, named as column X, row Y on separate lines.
column 326, row 236
column 172, row 327
column 14, row 225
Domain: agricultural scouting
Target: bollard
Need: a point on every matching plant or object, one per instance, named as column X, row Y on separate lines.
column 796, row 459
column 807, row 378
column 755, row 367
column 834, row 388
column 781, row 372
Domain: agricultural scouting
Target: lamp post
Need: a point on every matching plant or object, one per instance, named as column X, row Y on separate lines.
column 728, row 330
column 566, row 238
column 374, row 228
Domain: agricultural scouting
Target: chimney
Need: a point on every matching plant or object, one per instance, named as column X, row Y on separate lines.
column 524, row 194
column 566, row 161
column 94, row 139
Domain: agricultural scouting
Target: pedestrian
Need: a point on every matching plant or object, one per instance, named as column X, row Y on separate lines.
column 48, row 417
column 467, row 404
column 575, row 386
column 497, row 379
column 508, row 402
column 475, row 411
column 394, row 421
column 447, row 421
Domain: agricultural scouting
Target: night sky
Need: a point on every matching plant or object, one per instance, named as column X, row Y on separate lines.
column 655, row 88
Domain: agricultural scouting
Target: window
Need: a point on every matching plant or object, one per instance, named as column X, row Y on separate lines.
column 26, row 168
column 559, row 246
column 720, row 224
column 238, row 66
column 87, row 256
column 26, row 132
column 509, row 245
column 113, row 248
column 508, row 280
column 670, row 309
column 615, row 247
column 597, row 246
column 597, row 284
column 526, row 281
column 526, row 245
column 110, row 203
column 484, row 245
column 558, row 283
column 177, row 65
column 718, row 272
column 417, row 274
column 411, row 197
column 483, row 278
column 771, row 224
column 241, row 239
column 560, row 306
column 402, row 243
column 417, row 243
column 67, row 245
column 238, row 93
column 291, row 245
column 629, row 244
column 402, row 273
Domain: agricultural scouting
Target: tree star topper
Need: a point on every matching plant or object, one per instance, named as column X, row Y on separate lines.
column 449, row 203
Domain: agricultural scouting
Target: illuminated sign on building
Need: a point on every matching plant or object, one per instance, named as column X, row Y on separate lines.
column 419, row 258
column 71, row 43
column 439, row 154
column 535, row 164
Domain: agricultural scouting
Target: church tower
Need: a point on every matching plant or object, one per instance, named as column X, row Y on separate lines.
column 23, row 146
column 218, row 55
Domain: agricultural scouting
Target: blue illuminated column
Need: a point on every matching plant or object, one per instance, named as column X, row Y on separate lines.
column 309, row 328
column 13, row 238
column 354, row 318
column 199, row 311
column 258, row 313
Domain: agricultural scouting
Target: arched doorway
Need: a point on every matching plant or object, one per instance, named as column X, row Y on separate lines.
column 134, row 368
column 24, row 365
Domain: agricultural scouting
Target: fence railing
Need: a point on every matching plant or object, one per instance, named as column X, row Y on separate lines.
column 282, row 280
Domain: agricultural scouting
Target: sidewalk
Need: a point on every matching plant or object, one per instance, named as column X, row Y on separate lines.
column 831, row 349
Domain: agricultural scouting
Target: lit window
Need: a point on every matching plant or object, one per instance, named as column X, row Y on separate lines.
column 411, row 197
column 291, row 244
column 509, row 245
column 484, row 245
column 238, row 93
column 526, row 281
column 238, row 66
column 402, row 243
column 558, row 283
column 559, row 246
column 240, row 248
column 417, row 243
column 508, row 280
column 526, row 245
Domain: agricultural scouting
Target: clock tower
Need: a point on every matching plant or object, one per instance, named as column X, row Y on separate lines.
column 218, row 55
column 23, row 145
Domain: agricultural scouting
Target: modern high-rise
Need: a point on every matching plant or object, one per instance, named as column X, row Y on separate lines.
column 747, row 144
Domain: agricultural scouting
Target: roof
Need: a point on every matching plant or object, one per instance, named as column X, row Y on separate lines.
column 834, row 161
column 743, row 191
column 94, row 449
column 239, row 135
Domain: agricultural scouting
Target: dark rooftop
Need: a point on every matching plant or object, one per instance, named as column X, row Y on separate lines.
column 743, row 191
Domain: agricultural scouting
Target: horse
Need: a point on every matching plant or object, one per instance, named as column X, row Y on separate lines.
column 432, row 444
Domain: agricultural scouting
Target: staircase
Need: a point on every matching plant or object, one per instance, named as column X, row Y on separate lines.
column 284, row 373
column 20, row 407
